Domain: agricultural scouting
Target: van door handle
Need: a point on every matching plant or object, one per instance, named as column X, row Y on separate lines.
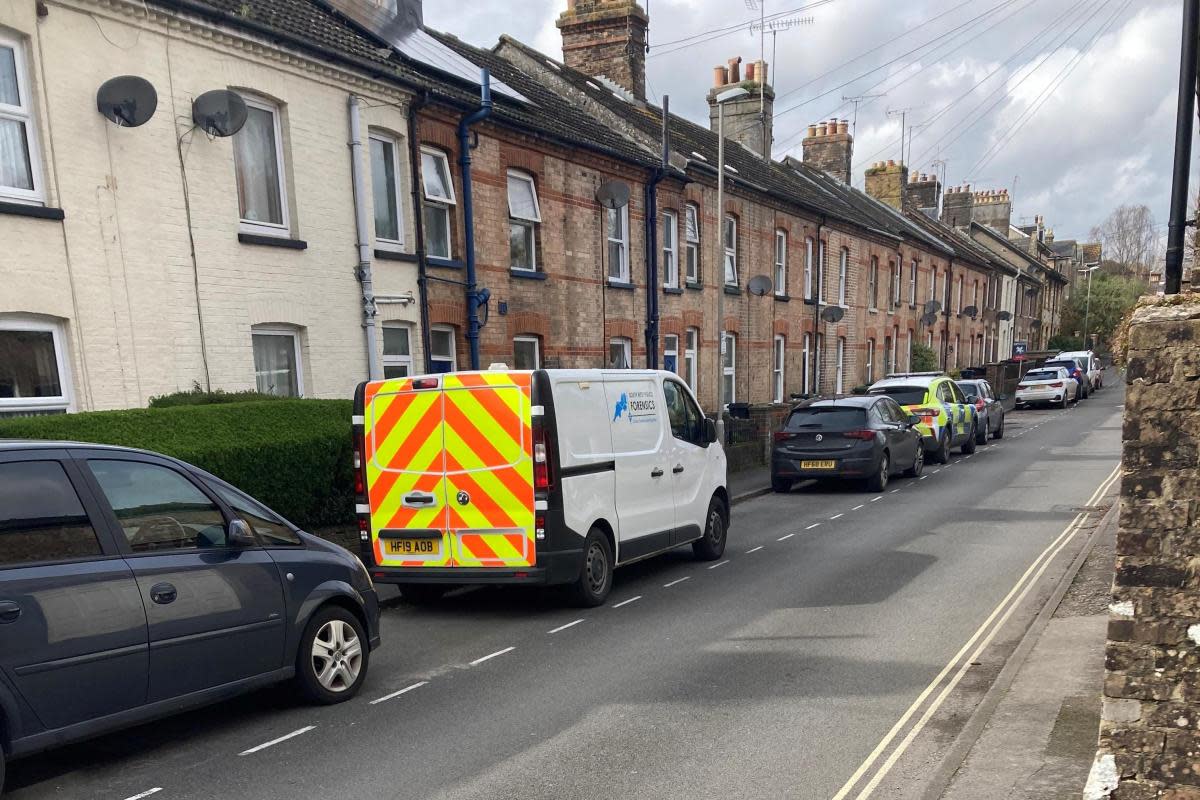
column 163, row 593
column 9, row 612
column 678, row 469
column 656, row 472
column 419, row 500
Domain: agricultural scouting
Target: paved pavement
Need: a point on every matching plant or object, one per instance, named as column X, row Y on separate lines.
column 835, row 651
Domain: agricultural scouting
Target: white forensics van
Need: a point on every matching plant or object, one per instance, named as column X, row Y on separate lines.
column 545, row 477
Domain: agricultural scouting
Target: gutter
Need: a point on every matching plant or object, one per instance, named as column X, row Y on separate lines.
column 418, row 204
column 363, row 269
column 464, row 160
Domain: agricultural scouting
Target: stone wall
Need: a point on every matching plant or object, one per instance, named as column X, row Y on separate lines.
column 1150, row 728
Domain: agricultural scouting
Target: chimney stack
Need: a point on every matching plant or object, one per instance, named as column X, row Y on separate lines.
column 886, row 181
column 922, row 191
column 607, row 38
column 958, row 206
column 829, row 147
column 993, row 208
column 749, row 119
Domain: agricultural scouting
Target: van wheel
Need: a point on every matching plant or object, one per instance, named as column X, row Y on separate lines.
column 711, row 545
column 423, row 593
column 596, row 573
column 332, row 663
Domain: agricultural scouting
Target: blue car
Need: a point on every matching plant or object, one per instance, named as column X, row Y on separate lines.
column 134, row 586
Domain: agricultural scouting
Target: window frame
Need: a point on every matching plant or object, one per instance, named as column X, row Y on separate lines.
column 691, row 357
column 818, row 352
column 528, row 338
column 912, row 283
column 406, row 361
column 806, row 359
column 870, row 362
column 670, row 349
column 730, row 261
column 959, row 308
column 438, row 204
column 670, row 222
column 529, row 223
column 778, row 367
column 622, row 216
column 729, row 346
column 23, row 114
column 626, row 345
column 453, row 346
column 284, row 228
column 809, row 247
column 388, row 140
column 692, row 245
column 897, row 283
column 843, row 276
column 821, row 272
column 280, row 330
column 780, row 273
column 840, row 368
column 64, row 401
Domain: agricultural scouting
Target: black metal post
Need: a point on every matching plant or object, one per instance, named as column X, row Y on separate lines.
column 1184, row 123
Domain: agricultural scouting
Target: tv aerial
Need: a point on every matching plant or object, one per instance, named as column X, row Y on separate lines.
column 759, row 285
column 127, row 101
column 833, row 314
column 613, row 194
column 219, row 112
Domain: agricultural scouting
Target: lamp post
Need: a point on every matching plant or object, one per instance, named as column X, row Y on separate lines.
column 719, row 261
column 1087, row 306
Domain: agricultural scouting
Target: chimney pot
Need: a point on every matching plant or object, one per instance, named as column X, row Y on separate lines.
column 735, row 70
column 821, row 129
column 720, row 76
column 843, row 127
column 762, row 72
column 812, row 131
column 891, row 162
column 750, row 71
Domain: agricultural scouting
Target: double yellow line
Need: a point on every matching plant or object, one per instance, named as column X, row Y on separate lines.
column 975, row 646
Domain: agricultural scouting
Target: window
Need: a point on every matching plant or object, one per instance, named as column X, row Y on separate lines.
column 33, row 368
column 912, row 283
column 618, row 244
column 158, row 508
column 975, row 294
column 841, row 364
column 957, row 344
column 728, row 368
column 821, row 271
column 385, row 192
column 692, row 234
column 526, row 353
column 671, row 353
column 731, row 273
column 908, row 364
column 277, row 361
column 523, row 218
column 683, row 414
column 258, row 162
column 397, row 350
column 896, row 347
column 959, row 306
column 20, row 166
column 267, row 526
column 929, row 340
column 873, row 283
column 41, row 517
column 887, row 356
column 781, row 263
column 805, row 357
column 690, row 349
column 870, row 373
column 670, row 249
column 808, row 268
column 620, row 351
column 843, row 275
column 818, row 356
column 442, row 353
column 933, row 284
column 897, row 280
column 438, row 190
column 777, row 365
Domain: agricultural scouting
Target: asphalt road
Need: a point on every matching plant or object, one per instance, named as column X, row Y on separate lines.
column 837, row 620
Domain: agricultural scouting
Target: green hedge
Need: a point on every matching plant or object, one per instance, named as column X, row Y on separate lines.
column 293, row 455
column 199, row 397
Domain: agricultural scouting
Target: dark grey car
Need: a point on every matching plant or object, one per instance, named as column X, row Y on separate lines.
column 869, row 438
column 988, row 406
column 133, row 586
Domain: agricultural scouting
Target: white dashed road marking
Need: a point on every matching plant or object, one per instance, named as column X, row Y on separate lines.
column 754, row 549
column 627, row 602
column 785, row 536
column 923, row 477
column 856, row 508
column 836, row 516
column 283, row 738
column 719, row 564
column 810, row 527
column 571, row 624
column 678, row 580
column 489, row 656
column 146, row 793
column 876, row 499
column 394, row 695
column 895, row 490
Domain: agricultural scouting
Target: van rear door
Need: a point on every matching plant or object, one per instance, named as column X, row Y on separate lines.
column 449, row 469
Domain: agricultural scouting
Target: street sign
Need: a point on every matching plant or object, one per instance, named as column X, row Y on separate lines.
column 1019, row 350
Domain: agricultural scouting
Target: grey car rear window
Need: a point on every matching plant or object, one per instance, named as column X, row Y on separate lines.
column 826, row 418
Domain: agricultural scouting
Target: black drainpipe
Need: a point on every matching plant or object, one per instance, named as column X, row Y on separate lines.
column 818, row 277
column 946, row 311
column 464, row 159
column 656, row 176
column 414, row 159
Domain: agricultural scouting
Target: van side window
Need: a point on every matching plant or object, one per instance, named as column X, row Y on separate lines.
column 686, row 420
column 158, row 508
column 41, row 518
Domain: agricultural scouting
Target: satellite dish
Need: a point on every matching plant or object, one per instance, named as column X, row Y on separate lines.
column 759, row 285
column 1004, row 316
column 219, row 112
column 613, row 194
column 929, row 319
column 1037, row 323
column 127, row 101
column 971, row 311
column 932, row 307
column 833, row 313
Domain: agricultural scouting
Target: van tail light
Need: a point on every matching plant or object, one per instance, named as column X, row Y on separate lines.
column 541, row 460
column 865, row 435
column 1056, row 385
column 360, row 484
column 364, row 528
column 539, row 527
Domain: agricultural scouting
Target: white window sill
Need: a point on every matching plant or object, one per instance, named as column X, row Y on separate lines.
column 872, row 310
column 391, row 247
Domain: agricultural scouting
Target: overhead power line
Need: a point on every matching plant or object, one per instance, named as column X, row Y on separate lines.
column 685, row 42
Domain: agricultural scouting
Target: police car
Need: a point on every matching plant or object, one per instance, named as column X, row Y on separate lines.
column 947, row 419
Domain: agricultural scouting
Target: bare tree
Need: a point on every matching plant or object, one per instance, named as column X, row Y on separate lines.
column 1129, row 240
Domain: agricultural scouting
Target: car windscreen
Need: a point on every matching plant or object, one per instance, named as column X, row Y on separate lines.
column 825, row 418
column 904, row 395
column 1041, row 375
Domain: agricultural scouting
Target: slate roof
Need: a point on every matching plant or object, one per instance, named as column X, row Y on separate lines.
column 1029, row 260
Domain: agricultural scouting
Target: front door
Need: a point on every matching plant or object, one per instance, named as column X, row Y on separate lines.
column 215, row 612
column 645, row 497
column 72, row 626
column 688, row 461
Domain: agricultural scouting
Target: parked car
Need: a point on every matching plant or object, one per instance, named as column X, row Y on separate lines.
column 947, row 419
column 869, row 438
column 1090, row 365
column 1047, row 386
column 134, row 586
column 988, row 406
column 1075, row 367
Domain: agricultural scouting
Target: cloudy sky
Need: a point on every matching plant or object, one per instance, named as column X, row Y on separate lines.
column 1071, row 100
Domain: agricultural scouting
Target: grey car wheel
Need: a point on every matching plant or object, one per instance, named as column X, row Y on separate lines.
column 333, row 658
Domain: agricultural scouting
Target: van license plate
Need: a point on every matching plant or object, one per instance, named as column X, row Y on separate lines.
column 414, row 547
column 818, row 464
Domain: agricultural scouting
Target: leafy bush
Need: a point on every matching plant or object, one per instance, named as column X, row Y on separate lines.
column 198, row 397
column 924, row 359
column 293, row 455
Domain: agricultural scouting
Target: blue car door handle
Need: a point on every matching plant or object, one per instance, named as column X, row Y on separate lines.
column 9, row 612
column 163, row 593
